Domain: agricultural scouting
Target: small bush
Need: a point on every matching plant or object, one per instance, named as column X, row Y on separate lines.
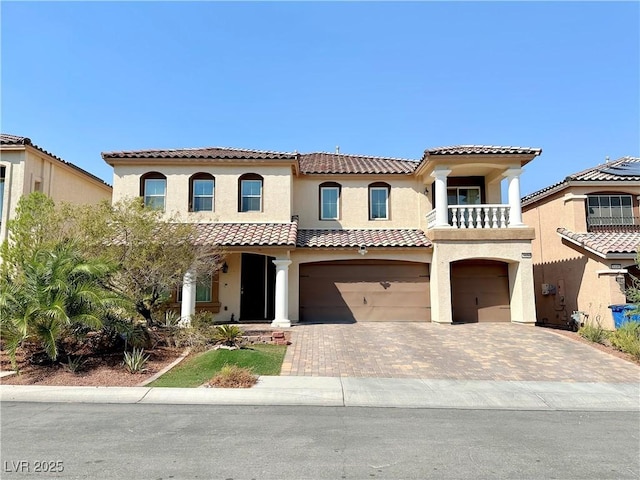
column 627, row 338
column 75, row 364
column 593, row 332
column 228, row 335
column 136, row 361
column 232, row 376
column 197, row 339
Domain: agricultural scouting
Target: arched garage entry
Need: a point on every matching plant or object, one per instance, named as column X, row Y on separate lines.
column 364, row 290
column 480, row 291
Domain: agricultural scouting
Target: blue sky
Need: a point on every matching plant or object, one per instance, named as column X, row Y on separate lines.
column 388, row 79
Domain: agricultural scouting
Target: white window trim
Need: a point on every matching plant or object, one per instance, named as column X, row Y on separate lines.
column 322, row 215
column 386, row 206
column 243, row 196
column 164, row 195
column 471, row 187
column 212, row 196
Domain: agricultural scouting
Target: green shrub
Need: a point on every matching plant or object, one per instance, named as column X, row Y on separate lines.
column 75, row 364
column 136, row 361
column 593, row 332
column 233, row 376
column 228, row 335
column 627, row 338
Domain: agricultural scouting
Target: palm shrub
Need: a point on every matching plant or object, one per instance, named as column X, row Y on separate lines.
column 50, row 291
column 228, row 335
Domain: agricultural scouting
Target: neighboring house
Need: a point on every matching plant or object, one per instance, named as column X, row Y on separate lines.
column 26, row 168
column 587, row 236
column 334, row 237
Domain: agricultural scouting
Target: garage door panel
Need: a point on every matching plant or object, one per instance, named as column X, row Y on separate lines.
column 480, row 292
column 365, row 291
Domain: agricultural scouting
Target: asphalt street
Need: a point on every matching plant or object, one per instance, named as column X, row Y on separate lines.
column 136, row 441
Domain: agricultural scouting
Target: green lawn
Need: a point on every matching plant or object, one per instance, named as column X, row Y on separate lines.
column 194, row 371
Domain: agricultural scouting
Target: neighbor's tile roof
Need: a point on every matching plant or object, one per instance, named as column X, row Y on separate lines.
column 368, row 238
column 217, row 153
column 247, row 234
column 604, row 243
column 482, row 150
column 337, row 163
column 8, row 139
column 605, row 172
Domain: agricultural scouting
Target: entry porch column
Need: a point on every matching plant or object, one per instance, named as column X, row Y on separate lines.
column 282, row 294
column 188, row 306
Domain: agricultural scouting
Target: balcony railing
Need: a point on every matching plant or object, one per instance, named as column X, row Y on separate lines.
column 474, row 216
column 613, row 224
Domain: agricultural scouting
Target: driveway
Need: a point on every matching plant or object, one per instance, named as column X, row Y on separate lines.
column 484, row 351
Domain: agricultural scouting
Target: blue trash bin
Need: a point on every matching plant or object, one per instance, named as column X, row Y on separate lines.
column 620, row 316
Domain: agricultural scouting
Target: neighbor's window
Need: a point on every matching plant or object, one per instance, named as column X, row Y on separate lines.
column 201, row 192
column 379, row 201
column 153, row 187
column 610, row 210
column 329, row 201
column 250, row 193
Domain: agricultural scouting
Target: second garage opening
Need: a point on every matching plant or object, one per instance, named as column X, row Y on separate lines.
column 364, row 291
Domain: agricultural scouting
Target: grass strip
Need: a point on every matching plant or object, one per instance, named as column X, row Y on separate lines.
column 194, row 371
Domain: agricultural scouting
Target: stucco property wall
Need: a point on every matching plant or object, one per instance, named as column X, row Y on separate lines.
column 407, row 202
column 277, row 186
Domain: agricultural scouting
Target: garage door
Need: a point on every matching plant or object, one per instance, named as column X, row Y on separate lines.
column 480, row 291
column 364, row 291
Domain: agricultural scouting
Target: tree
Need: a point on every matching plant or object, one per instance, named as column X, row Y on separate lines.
column 56, row 289
column 152, row 252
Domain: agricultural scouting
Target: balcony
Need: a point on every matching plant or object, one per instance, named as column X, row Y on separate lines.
column 474, row 216
column 613, row 224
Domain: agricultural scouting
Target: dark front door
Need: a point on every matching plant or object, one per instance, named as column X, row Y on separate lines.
column 257, row 287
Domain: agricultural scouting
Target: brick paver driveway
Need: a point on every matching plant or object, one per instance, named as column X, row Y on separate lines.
column 486, row 351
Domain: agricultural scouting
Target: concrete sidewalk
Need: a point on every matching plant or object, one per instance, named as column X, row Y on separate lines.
column 360, row 392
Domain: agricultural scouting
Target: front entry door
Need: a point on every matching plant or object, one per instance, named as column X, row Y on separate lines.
column 257, row 287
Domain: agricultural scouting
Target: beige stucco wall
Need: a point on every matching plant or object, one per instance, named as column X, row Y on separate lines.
column 63, row 183
column 277, row 186
column 408, row 205
column 510, row 251
column 577, row 275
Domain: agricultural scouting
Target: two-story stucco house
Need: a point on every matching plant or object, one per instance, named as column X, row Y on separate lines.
column 587, row 236
column 26, row 168
column 323, row 237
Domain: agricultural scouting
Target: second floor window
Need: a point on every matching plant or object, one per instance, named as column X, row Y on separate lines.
column 329, row 201
column 201, row 187
column 609, row 210
column 154, row 190
column 379, row 201
column 250, row 193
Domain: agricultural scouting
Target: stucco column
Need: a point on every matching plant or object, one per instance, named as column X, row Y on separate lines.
column 515, row 209
column 442, row 214
column 188, row 306
column 440, row 287
column 282, row 294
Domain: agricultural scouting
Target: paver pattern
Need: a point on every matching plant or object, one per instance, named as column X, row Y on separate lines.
column 486, row 351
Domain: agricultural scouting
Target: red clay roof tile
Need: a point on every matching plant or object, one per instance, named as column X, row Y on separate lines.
column 604, row 243
column 370, row 238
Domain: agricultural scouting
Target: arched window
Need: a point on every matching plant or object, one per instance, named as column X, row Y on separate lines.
column 201, row 192
column 250, row 193
column 379, row 201
column 153, row 189
column 330, row 200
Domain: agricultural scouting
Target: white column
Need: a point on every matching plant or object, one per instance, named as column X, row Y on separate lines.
column 515, row 209
column 282, row 294
column 442, row 208
column 188, row 306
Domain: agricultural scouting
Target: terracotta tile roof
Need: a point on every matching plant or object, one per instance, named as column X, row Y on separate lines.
column 625, row 169
column 482, row 150
column 8, row 139
column 604, row 243
column 247, row 234
column 337, row 163
column 217, row 153
column 369, row 238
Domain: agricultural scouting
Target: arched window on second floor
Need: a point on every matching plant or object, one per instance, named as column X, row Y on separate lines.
column 250, row 193
column 330, row 201
column 379, row 201
column 201, row 192
column 153, row 189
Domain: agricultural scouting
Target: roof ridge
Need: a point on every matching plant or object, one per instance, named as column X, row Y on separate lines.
column 188, row 149
column 357, row 155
